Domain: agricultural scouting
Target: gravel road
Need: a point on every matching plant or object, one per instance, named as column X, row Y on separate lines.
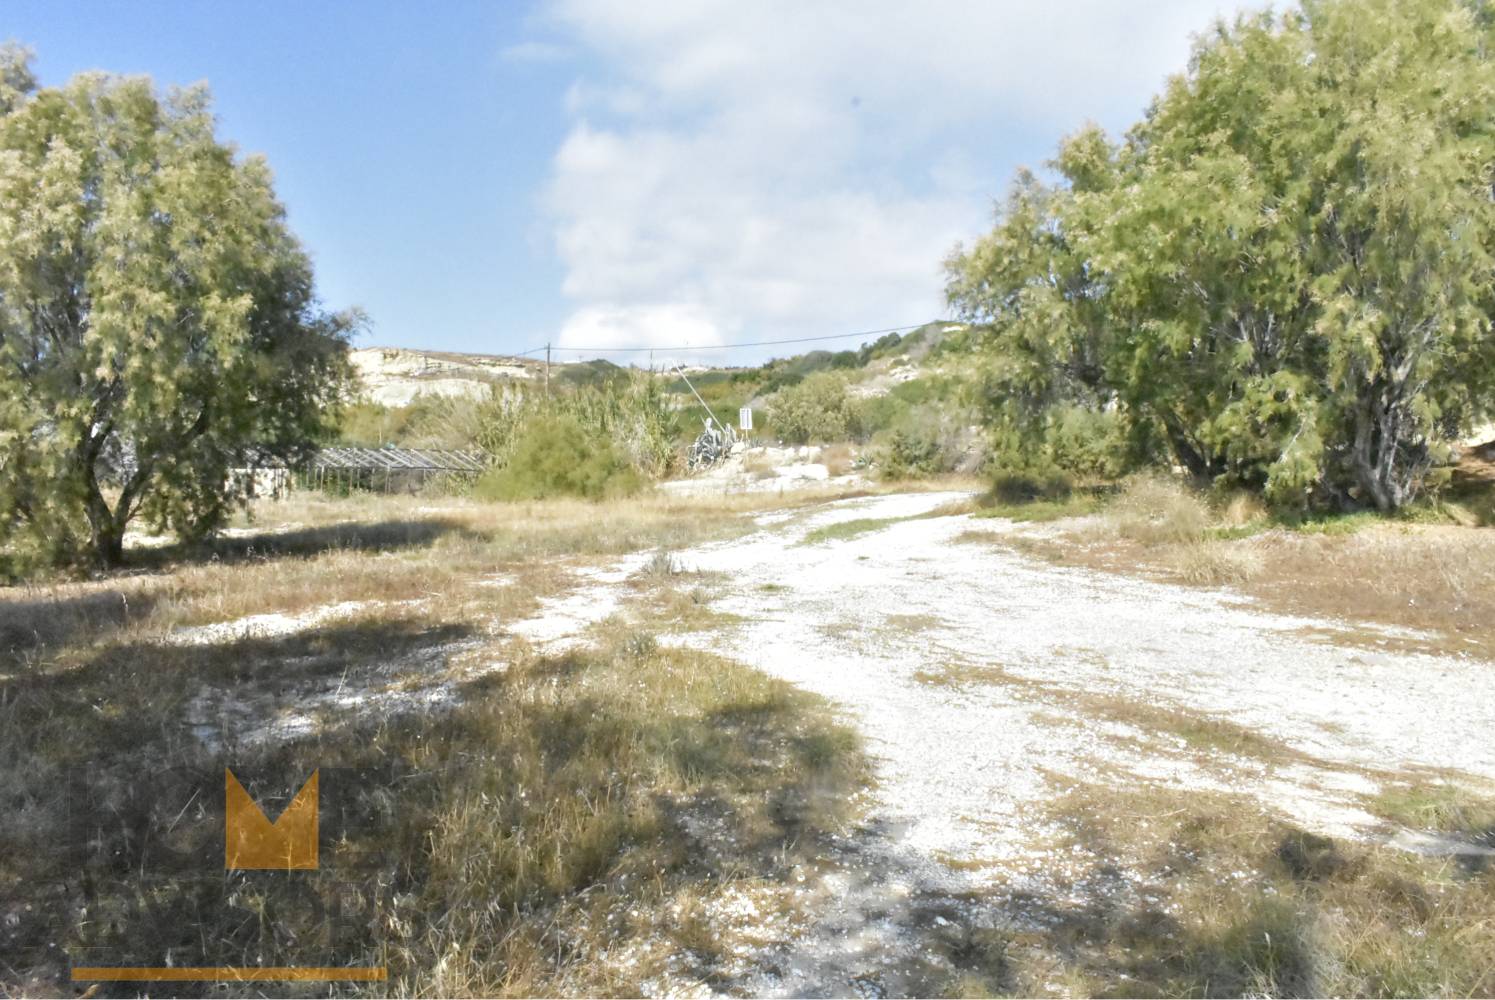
column 974, row 674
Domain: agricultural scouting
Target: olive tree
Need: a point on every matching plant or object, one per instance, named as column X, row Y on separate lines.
column 158, row 322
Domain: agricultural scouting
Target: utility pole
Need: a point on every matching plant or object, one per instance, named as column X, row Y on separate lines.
column 547, row 371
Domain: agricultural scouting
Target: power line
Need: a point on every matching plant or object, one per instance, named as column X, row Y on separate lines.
column 724, row 347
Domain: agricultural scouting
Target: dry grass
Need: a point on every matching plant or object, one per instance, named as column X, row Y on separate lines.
column 1434, row 578
column 1151, row 510
column 531, row 839
column 1216, row 562
column 843, row 530
column 672, row 598
column 958, row 674
column 838, row 459
column 911, row 624
column 318, row 551
column 1196, row 894
column 1442, row 806
column 1199, row 732
column 757, row 465
column 1212, row 738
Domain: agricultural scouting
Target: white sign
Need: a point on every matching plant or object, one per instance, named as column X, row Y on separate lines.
column 745, row 418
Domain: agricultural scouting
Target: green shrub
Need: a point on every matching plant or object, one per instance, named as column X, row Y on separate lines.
column 876, row 414
column 815, row 410
column 923, row 441
column 559, row 457
column 1089, row 444
column 625, row 421
column 910, row 453
column 1013, row 484
column 634, row 412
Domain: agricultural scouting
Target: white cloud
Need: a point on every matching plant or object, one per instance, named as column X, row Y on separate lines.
column 535, row 52
column 675, row 329
column 773, row 169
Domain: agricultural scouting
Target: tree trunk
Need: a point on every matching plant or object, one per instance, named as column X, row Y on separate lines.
column 1386, row 467
column 109, row 547
column 1184, row 450
column 106, row 536
column 106, row 528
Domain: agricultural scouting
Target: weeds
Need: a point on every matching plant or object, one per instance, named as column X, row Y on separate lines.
column 1151, row 510
column 1441, row 806
column 843, row 530
column 1233, row 902
column 538, row 840
column 1215, row 562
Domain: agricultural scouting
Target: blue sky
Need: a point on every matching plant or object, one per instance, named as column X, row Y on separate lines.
column 486, row 176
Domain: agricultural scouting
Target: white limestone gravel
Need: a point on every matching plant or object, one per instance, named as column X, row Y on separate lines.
column 963, row 769
column 895, row 626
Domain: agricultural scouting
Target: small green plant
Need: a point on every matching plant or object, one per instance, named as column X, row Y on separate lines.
column 842, row 530
column 557, row 457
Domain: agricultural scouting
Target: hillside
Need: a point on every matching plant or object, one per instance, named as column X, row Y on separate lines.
column 394, row 376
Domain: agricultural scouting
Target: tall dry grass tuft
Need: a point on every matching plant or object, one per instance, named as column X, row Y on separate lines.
column 1215, row 562
column 1240, row 509
column 1153, row 510
column 838, row 459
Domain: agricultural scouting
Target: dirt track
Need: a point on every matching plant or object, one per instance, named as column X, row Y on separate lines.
column 986, row 683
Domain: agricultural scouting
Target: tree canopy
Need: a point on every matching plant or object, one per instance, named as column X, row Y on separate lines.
column 158, row 322
column 1282, row 276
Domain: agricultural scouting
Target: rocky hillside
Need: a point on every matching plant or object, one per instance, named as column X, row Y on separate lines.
column 393, row 376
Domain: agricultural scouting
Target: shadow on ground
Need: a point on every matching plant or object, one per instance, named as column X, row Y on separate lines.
column 37, row 621
column 513, row 830
column 352, row 536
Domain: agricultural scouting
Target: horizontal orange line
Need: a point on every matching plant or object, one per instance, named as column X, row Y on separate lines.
column 229, row 973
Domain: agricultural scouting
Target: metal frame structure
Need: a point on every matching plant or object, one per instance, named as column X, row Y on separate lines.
column 352, row 467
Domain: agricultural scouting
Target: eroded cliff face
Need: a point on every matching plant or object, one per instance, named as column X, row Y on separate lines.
column 394, row 376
